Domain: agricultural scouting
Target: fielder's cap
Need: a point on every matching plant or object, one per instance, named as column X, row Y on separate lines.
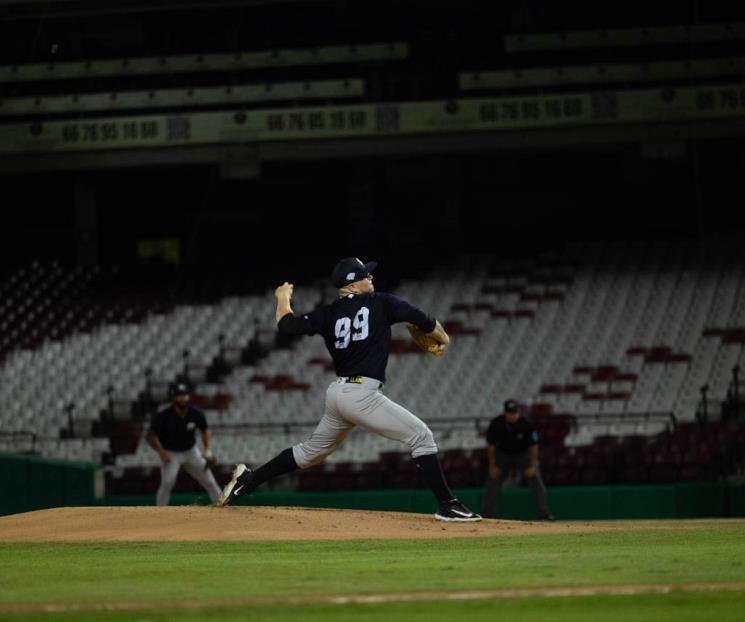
column 350, row 270
column 180, row 388
column 511, row 406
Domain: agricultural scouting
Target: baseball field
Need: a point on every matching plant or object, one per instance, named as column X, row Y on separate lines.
column 261, row 563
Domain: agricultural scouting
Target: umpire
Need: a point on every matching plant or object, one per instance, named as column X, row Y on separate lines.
column 171, row 435
column 512, row 444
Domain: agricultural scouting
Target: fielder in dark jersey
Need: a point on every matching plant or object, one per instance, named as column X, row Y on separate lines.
column 357, row 331
column 172, row 436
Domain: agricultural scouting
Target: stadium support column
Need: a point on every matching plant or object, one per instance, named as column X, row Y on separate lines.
column 86, row 221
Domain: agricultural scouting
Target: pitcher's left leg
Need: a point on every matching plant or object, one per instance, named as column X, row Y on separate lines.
column 375, row 412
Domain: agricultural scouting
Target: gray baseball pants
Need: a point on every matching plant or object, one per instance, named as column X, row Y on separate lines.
column 349, row 405
column 194, row 463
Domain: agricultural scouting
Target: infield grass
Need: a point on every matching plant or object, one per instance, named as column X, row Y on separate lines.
column 237, row 580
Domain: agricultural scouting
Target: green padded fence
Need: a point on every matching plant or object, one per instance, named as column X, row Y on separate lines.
column 688, row 500
column 32, row 483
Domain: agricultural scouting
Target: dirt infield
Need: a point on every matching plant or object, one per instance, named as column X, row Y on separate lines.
column 200, row 523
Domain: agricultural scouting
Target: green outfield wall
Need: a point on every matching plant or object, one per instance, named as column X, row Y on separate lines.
column 31, row 483
column 687, row 500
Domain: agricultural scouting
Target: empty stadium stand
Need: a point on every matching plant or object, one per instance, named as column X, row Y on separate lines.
column 81, row 346
column 608, row 346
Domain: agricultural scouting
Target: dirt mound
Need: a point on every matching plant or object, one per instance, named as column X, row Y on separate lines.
column 200, row 523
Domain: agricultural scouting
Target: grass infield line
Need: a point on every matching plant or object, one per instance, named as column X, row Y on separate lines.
column 553, row 592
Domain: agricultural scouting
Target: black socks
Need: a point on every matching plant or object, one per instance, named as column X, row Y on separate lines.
column 429, row 466
column 279, row 465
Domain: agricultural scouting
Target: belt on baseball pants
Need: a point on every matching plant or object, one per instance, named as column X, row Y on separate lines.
column 357, row 380
column 352, row 379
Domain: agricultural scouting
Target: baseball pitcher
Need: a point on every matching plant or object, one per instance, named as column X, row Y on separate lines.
column 356, row 328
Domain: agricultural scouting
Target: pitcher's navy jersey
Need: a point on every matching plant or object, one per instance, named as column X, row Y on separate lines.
column 357, row 330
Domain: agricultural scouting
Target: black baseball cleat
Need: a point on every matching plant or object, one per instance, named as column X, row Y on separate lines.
column 239, row 485
column 547, row 518
column 455, row 512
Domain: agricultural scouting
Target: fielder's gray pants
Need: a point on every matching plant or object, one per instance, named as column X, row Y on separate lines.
column 493, row 487
column 349, row 405
column 194, row 463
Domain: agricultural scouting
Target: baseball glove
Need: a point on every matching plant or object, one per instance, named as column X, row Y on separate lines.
column 424, row 342
column 210, row 462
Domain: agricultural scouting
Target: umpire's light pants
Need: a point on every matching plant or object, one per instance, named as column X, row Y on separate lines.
column 194, row 463
column 349, row 405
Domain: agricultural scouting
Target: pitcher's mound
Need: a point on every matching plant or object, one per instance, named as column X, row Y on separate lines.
column 200, row 523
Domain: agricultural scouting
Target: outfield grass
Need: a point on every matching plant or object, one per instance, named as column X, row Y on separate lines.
column 253, row 573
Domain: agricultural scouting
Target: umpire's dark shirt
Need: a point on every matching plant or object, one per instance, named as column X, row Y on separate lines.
column 511, row 438
column 176, row 432
column 357, row 330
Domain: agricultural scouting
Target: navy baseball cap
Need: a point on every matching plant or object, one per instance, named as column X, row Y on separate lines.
column 350, row 270
column 180, row 388
column 511, row 406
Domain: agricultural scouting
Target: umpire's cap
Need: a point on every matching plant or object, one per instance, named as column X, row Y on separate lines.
column 511, row 406
column 351, row 269
column 179, row 388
